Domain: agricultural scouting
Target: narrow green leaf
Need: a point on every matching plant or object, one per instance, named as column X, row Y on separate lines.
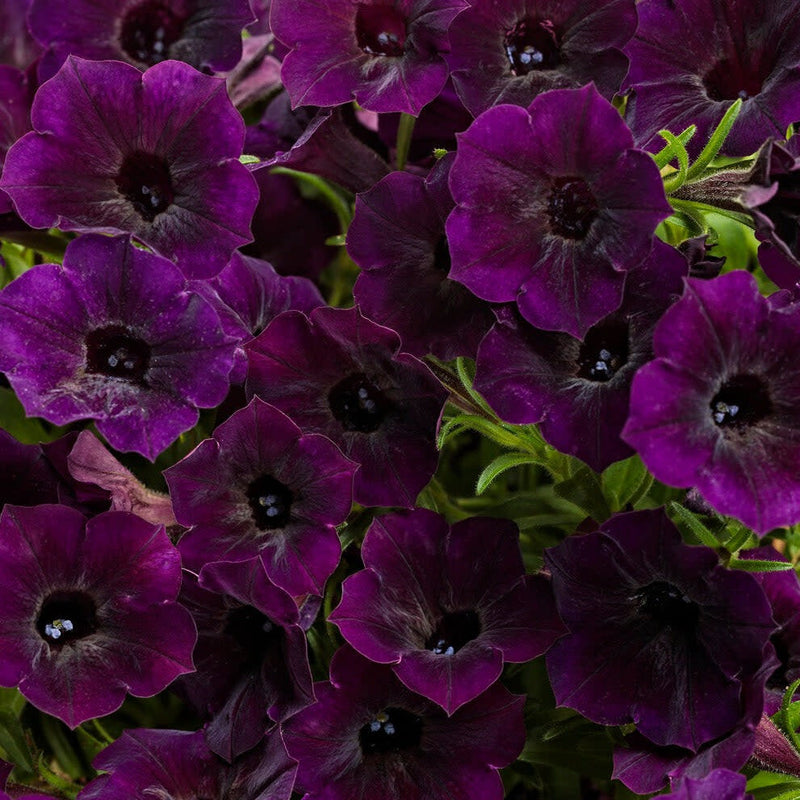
column 57, row 736
column 60, row 784
column 676, row 180
column 716, row 141
column 787, row 790
column 500, row 465
column 689, row 523
column 664, row 156
column 583, row 490
column 14, row 744
column 755, row 565
column 624, row 482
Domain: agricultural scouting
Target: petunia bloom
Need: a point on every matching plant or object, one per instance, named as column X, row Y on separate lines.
column 155, row 155
column 204, row 33
column 387, row 54
column 341, row 375
column 369, row 736
column 262, row 487
column 578, row 389
column 717, row 409
column 89, row 610
column 113, row 336
column 251, row 656
column 512, row 50
column 444, row 614
column 691, row 59
column 660, row 634
column 553, row 207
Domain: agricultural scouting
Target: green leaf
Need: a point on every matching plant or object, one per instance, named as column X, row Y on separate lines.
column 500, row 465
column 716, row 141
column 583, row 490
column 664, row 156
column 676, row 180
column 14, row 744
column 689, row 523
column 755, row 565
column 625, row 482
column 785, row 790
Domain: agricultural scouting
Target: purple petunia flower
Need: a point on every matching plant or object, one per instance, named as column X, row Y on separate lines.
column 251, row 657
column 204, row 33
column 690, row 59
column 659, row 635
column 16, row 96
column 720, row 784
column 387, row 54
column 512, row 50
column 339, row 374
column 553, row 208
column 28, row 477
column 89, row 610
column 262, row 487
column 17, row 47
column 153, row 154
column 397, row 238
column 248, row 294
column 178, row 765
column 717, row 409
column 113, row 336
column 444, row 614
column 369, row 736
column 578, row 388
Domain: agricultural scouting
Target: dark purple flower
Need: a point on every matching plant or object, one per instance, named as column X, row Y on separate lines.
column 153, row 154
column 553, row 208
column 773, row 751
column 89, row 611
column 248, row 294
column 717, row 409
column 397, row 238
column 290, row 230
column 113, row 336
column 387, row 54
column 179, row 765
column 512, row 50
column 369, row 736
column 262, row 487
column 28, row 477
column 341, row 375
column 204, row 33
column 578, row 389
column 783, row 592
column 17, row 47
column 16, row 96
column 691, row 59
column 660, row 634
column 251, row 659
column 440, row 609
column 720, row 784
column 777, row 220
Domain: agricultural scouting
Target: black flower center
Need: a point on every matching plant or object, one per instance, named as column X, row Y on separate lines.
column 66, row 617
column 270, row 501
column 532, row 44
column 391, row 731
column 441, row 256
column 144, row 180
column 604, row 351
column 380, row 29
column 730, row 80
column 572, row 208
column 358, row 404
column 254, row 632
column 453, row 632
column 667, row 606
column 116, row 352
column 148, row 29
column 742, row 402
